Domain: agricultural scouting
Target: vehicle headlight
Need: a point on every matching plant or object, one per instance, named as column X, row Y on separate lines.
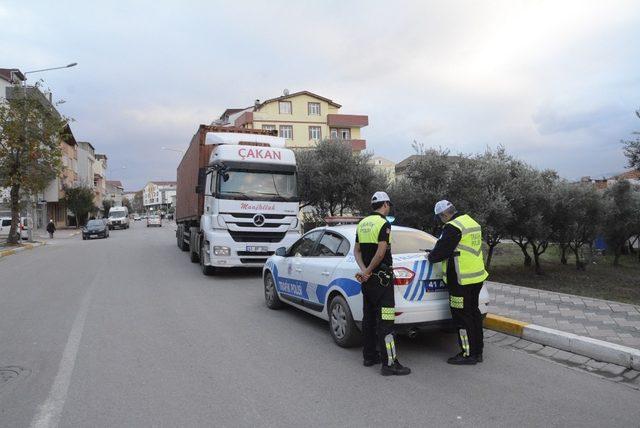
column 221, row 251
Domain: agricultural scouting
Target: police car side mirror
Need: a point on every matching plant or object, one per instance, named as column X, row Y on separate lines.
column 282, row 252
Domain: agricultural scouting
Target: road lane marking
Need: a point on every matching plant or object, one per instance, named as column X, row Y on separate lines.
column 51, row 410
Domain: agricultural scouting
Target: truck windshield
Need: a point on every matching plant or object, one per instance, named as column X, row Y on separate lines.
column 260, row 185
column 116, row 214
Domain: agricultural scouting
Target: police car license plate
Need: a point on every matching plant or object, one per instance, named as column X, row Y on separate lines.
column 256, row 249
column 435, row 285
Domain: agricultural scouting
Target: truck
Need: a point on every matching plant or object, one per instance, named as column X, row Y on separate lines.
column 118, row 218
column 236, row 197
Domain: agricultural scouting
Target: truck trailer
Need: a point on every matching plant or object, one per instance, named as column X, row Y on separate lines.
column 237, row 199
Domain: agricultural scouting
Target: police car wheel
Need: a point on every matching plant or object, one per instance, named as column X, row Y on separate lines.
column 270, row 295
column 341, row 324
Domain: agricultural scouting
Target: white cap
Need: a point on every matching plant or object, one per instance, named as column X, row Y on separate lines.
column 442, row 206
column 380, row 197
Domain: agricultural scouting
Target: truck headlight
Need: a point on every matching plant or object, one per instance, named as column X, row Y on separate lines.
column 221, row 251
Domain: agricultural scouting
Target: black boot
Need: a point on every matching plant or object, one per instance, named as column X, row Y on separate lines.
column 461, row 360
column 396, row 369
column 371, row 362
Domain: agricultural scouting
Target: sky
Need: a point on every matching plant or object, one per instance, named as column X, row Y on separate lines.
column 554, row 82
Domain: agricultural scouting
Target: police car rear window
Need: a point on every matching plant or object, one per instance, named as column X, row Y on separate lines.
column 411, row 241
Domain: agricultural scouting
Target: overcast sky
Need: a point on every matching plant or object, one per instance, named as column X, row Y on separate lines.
column 555, row 82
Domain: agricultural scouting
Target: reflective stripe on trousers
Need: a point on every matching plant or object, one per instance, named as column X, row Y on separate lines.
column 464, row 341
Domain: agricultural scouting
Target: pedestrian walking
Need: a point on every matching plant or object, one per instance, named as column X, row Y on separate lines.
column 373, row 255
column 459, row 248
column 51, row 228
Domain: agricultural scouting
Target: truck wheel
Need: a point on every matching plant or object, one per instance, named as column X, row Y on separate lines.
column 270, row 294
column 193, row 255
column 207, row 270
column 342, row 327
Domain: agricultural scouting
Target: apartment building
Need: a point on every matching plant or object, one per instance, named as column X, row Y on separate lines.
column 384, row 165
column 100, row 180
column 303, row 118
column 115, row 192
column 159, row 195
column 54, row 193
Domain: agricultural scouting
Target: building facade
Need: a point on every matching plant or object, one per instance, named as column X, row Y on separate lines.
column 384, row 165
column 100, row 181
column 115, row 192
column 303, row 118
column 159, row 195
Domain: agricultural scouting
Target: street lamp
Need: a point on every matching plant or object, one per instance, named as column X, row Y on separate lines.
column 24, row 95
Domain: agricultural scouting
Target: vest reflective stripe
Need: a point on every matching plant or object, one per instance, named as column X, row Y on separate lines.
column 369, row 229
column 469, row 265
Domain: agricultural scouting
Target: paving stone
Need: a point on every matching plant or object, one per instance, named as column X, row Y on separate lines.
column 613, row 369
column 562, row 355
column 578, row 359
column 534, row 347
column 596, row 365
column 631, row 374
column 496, row 337
column 521, row 344
column 489, row 333
column 508, row 340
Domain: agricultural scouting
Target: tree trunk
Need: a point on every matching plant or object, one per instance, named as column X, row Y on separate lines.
column 579, row 263
column 14, row 195
column 527, row 257
column 490, row 255
column 536, row 258
column 616, row 257
column 563, row 254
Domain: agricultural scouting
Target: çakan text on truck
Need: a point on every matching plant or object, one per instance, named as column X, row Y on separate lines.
column 237, row 198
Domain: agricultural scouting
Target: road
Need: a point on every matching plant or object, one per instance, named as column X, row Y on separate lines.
column 127, row 332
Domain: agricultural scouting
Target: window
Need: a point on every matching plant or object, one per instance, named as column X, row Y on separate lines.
column 314, row 109
column 252, row 184
column 315, row 133
column 268, row 127
column 331, row 245
column 303, row 247
column 345, row 134
column 286, row 131
column 334, row 134
column 284, row 107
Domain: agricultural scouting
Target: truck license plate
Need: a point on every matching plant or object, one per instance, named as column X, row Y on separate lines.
column 256, row 249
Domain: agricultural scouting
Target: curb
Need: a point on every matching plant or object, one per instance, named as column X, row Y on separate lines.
column 587, row 346
column 19, row 249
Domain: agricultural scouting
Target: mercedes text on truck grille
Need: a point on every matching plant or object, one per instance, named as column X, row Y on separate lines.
column 237, row 198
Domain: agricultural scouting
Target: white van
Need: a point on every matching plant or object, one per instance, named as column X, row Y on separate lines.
column 118, row 217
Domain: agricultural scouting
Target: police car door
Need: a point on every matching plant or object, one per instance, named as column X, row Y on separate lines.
column 291, row 283
column 319, row 269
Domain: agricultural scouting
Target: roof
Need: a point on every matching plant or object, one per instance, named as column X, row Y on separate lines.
column 405, row 162
column 87, row 143
column 5, row 73
column 230, row 111
column 100, row 156
column 115, row 183
column 295, row 94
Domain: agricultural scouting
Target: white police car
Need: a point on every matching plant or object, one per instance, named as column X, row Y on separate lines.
column 317, row 274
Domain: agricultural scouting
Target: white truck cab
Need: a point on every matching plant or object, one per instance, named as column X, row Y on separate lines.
column 250, row 202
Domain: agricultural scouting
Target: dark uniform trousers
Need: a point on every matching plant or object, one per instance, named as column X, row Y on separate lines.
column 378, row 319
column 467, row 317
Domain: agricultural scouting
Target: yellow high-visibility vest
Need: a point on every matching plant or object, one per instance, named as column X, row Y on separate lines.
column 369, row 229
column 470, row 263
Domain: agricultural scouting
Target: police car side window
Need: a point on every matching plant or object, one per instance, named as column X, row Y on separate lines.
column 332, row 245
column 304, row 246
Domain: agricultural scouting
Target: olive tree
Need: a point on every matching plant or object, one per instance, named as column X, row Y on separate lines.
column 621, row 214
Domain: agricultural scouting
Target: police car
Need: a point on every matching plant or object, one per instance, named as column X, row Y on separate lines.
column 317, row 275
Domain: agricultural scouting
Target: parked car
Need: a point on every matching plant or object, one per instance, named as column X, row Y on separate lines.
column 24, row 226
column 317, row 275
column 95, row 229
column 5, row 226
column 137, row 217
column 154, row 220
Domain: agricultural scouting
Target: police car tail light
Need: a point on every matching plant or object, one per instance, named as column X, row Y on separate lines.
column 402, row 276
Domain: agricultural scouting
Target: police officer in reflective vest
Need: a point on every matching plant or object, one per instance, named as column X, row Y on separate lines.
column 373, row 255
column 459, row 248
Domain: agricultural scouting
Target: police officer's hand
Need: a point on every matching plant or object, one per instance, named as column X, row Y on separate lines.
column 362, row 277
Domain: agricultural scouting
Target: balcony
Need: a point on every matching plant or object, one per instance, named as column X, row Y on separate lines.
column 356, row 145
column 347, row 120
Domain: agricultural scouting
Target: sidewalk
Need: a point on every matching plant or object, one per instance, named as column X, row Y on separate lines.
column 599, row 319
column 42, row 235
